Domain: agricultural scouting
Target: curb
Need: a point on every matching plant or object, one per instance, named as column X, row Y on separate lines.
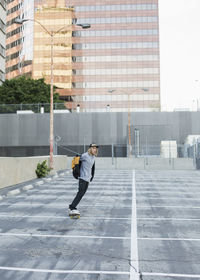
column 25, row 187
column 28, row 187
column 39, row 183
column 45, row 180
column 14, row 192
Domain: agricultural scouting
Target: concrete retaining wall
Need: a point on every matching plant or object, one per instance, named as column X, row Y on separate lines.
column 149, row 163
column 17, row 170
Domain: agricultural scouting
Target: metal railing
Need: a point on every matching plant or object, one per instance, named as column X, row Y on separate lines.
column 35, row 108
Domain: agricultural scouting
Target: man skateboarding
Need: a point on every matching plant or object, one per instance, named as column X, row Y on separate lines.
column 87, row 169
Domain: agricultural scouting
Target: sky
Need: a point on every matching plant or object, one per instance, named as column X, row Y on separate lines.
column 179, row 24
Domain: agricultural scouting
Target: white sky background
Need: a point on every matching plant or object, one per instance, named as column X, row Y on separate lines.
column 179, row 54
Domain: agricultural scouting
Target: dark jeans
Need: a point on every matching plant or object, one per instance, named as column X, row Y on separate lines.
column 82, row 188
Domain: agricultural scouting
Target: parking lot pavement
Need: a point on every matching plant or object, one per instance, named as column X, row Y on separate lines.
column 39, row 240
column 133, row 225
column 168, row 219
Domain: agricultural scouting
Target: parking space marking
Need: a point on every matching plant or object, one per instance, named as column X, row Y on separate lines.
column 162, row 192
column 10, row 268
column 61, row 217
column 64, row 205
column 171, row 275
column 166, row 186
column 50, row 197
column 181, row 184
column 61, row 205
column 63, row 236
column 169, row 239
column 95, row 217
column 134, row 268
column 170, row 198
column 168, row 206
column 171, row 219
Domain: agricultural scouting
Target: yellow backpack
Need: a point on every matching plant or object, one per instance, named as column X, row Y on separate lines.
column 76, row 164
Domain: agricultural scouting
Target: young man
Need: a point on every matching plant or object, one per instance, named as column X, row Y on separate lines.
column 87, row 168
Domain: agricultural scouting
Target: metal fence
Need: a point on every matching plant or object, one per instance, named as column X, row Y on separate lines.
column 32, row 108
column 152, row 135
column 193, row 151
column 119, row 150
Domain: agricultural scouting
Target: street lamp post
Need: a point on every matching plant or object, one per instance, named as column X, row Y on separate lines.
column 51, row 34
column 129, row 115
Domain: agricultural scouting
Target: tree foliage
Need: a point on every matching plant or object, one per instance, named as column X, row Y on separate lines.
column 25, row 90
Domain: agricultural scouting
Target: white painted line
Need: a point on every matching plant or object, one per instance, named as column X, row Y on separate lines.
column 64, row 236
column 13, row 192
column 168, row 206
column 91, row 191
column 94, row 217
column 63, row 271
column 161, row 192
column 170, row 198
column 60, row 217
column 171, row 219
column 134, row 267
column 63, row 205
column 181, row 183
column 73, row 187
column 168, row 187
column 28, row 187
column 197, row 276
column 50, row 198
column 168, row 239
column 67, row 195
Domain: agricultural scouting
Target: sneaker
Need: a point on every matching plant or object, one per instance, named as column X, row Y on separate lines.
column 74, row 212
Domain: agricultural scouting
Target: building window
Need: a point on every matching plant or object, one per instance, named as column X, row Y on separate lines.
column 116, row 7
column 3, row 4
column 14, row 9
column 2, row 51
column 2, row 26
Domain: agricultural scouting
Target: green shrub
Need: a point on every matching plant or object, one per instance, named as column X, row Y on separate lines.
column 42, row 169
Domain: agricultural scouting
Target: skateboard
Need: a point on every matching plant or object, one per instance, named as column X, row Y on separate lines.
column 74, row 216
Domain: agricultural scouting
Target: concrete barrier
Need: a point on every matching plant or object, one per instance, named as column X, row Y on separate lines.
column 15, row 170
column 18, row 170
column 142, row 163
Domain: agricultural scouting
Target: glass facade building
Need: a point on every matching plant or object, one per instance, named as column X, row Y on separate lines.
column 114, row 65
column 2, row 39
column 19, row 39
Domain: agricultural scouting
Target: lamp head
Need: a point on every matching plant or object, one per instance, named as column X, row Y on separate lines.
column 20, row 21
column 111, row 90
column 84, row 26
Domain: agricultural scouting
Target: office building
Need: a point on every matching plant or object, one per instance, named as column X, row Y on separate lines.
column 2, row 39
column 29, row 44
column 113, row 66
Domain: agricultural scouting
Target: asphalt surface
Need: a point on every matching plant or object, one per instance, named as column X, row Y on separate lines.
column 134, row 225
